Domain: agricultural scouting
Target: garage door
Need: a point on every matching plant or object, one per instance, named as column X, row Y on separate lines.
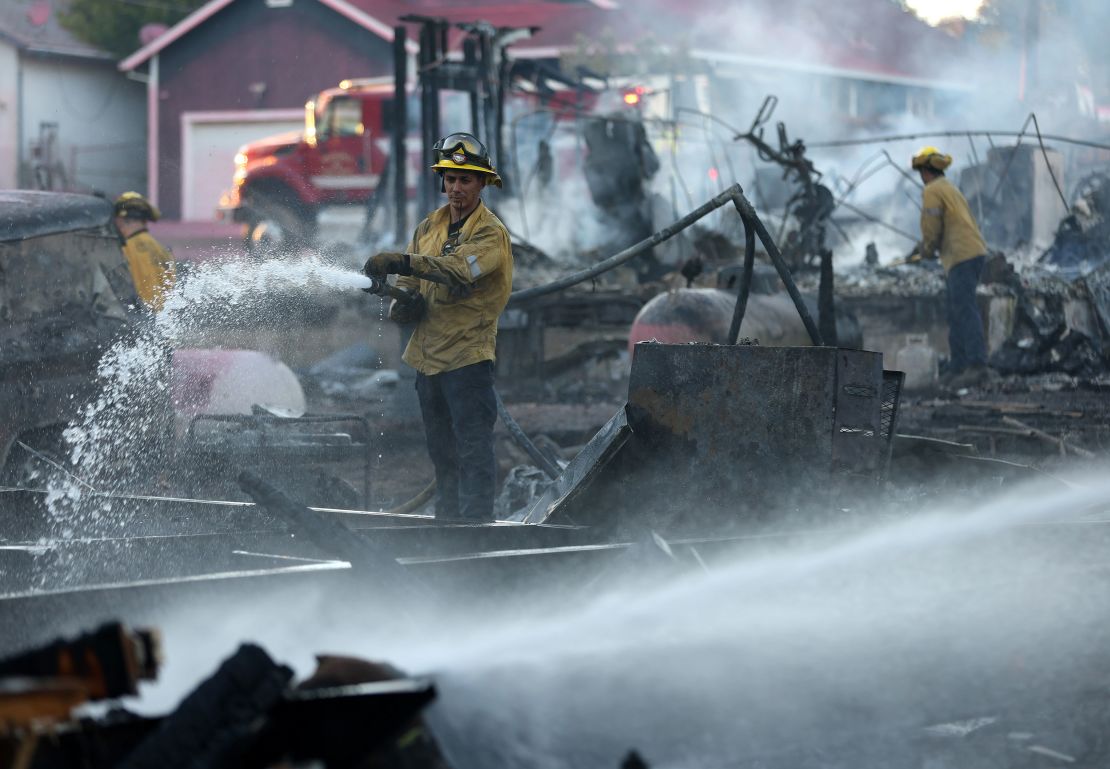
column 209, row 143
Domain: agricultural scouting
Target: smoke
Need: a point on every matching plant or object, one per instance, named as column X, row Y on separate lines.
column 555, row 209
column 559, row 217
column 843, row 647
column 870, row 69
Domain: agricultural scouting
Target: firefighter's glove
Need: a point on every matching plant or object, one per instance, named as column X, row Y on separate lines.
column 387, row 263
column 408, row 310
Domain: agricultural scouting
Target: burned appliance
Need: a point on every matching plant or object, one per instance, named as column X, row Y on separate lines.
column 64, row 290
column 716, row 438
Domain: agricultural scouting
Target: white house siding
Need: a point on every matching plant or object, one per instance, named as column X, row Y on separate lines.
column 101, row 119
column 9, row 115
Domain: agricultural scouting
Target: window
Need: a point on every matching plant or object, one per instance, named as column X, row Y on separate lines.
column 342, row 117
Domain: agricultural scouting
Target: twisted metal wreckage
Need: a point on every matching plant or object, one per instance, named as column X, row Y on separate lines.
column 182, row 545
column 715, row 444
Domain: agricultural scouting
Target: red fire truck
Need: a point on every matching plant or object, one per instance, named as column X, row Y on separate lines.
column 282, row 182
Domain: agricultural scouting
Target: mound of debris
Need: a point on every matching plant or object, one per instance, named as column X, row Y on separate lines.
column 1082, row 241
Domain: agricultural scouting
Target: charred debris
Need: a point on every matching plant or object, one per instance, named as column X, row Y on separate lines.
column 690, row 385
column 575, row 347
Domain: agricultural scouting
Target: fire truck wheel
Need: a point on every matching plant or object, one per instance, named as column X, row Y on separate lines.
column 278, row 227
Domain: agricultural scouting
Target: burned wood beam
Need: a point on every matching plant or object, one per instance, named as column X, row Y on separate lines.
column 1008, row 407
column 326, row 532
column 906, row 444
column 1033, row 432
column 544, row 463
column 994, row 430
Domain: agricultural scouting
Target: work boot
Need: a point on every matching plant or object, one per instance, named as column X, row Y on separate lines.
column 972, row 376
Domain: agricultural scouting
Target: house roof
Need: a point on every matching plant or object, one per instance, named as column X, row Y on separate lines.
column 868, row 39
column 198, row 17
column 33, row 26
column 561, row 22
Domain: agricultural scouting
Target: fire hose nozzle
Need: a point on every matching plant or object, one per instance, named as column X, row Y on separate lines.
column 380, row 287
column 377, row 286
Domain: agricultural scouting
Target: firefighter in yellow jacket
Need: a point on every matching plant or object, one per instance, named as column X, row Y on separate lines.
column 949, row 232
column 460, row 266
column 152, row 266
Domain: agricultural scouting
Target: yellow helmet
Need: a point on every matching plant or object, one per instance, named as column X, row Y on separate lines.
column 132, row 205
column 931, row 157
column 463, row 152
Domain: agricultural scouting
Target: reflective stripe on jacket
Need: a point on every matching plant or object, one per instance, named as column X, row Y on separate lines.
column 947, row 226
column 459, row 326
column 152, row 268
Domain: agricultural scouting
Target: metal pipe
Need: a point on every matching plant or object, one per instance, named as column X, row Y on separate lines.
column 504, row 79
column 947, row 134
column 746, row 210
column 22, row 179
column 745, row 286
column 52, row 463
column 484, row 80
column 374, row 204
column 876, row 220
column 470, row 61
column 424, row 76
column 153, row 132
column 1048, row 165
column 1010, row 160
column 399, row 154
column 747, row 214
column 826, row 309
column 631, row 252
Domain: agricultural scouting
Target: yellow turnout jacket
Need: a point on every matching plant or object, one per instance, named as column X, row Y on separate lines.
column 947, row 227
column 475, row 267
column 152, row 268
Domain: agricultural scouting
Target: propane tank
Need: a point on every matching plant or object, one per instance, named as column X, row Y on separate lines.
column 918, row 359
column 705, row 315
column 231, row 382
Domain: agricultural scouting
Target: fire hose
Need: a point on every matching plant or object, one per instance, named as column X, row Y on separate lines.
column 753, row 228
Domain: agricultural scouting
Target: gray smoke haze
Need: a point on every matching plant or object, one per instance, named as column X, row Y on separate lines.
column 726, row 60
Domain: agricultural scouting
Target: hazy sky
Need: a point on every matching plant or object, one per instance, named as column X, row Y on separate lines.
column 935, row 10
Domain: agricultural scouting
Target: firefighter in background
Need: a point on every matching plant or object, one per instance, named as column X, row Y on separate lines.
column 152, row 266
column 619, row 164
column 460, row 266
column 949, row 231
